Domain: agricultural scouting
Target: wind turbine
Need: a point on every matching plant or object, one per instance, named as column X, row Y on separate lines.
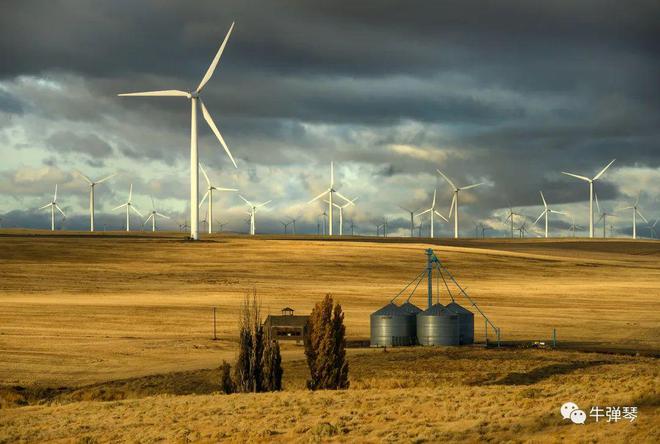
column 574, row 227
column 433, row 211
column 129, row 206
column 53, row 205
column 209, row 194
column 591, row 193
column 654, row 233
column 330, row 191
column 545, row 213
column 253, row 211
column 152, row 216
column 454, row 201
column 341, row 213
column 93, row 184
column 412, row 219
column 293, row 222
column 511, row 216
column 635, row 212
column 285, row 225
column 603, row 216
column 194, row 97
column 221, row 225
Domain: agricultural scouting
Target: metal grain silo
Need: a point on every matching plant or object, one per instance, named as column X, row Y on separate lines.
column 437, row 326
column 411, row 308
column 392, row 326
column 465, row 321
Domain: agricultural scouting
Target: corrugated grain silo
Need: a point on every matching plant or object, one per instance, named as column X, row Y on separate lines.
column 411, row 308
column 437, row 326
column 392, row 326
column 465, row 321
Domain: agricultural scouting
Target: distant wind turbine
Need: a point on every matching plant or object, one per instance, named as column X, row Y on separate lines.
column 129, row 206
column 433, row 211
column 152, row 216
column 412, row 219
column 93, row 184
column 635, row 212
column 454, row 200
column 511, row 216
column 253, row 211
column 603, row 216
column 209, row 193
column 545, row 213
column 591, row 193
column 53, row 205
column 341, row 213
column 330, row 191
column 194, row 97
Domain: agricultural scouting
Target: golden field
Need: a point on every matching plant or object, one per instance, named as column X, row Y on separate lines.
column 109, row 337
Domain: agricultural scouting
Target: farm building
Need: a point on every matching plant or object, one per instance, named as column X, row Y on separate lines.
column 286, row 326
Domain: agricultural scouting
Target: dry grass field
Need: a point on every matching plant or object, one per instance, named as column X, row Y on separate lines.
column 108, row 338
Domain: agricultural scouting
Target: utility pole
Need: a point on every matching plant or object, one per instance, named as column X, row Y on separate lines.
column 429, row 271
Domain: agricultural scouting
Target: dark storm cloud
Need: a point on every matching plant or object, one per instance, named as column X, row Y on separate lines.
column 510, row 92
column 87, row 144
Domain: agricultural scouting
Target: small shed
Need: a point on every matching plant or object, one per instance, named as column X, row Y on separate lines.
column 287, row 326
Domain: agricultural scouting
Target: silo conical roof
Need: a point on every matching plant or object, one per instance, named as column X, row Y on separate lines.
column 456, row 308
column 435, row 310
column 390, row 309
column 410, row 308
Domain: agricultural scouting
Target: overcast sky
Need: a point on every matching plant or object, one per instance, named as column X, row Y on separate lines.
column 508, row 93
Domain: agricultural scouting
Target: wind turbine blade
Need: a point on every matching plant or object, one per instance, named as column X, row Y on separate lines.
column 342, row 196
column 245, row 200
column 214, row 63
column 226, row 189
column 55, row 196
column 148, row 219
column 164, row 93
column 84, row 177
column 638, row 196
column 472, row 186
column 162, row 215
column 332, row 174
column 603, row 170
column 424, row 212
column 540, row 216
column 201, row 202
column 434, row 192
column 447, row 179
column 575, row 175
column 136, row 210
column 60, row 210
column 544, row 202
column 120, row 206
column 451, row 207
column 404, row 209
column 625, row 208
column 642, row 216
column 597, row 205
column 319, row 196
column 106, row 178
column 208, row 181
column 441, row 216
column 263, row 204
column 214, row 128
column 558, row 212
column 45, row 206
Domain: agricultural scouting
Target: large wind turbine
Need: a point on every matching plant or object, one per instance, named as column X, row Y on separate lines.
column 330, row 191
column 545, row 213
column 152, row 216
column 341, row 213
column 253, row 211
column 129, row 206
column 635, row 212
column 591, row 193
column 454, row 201
column 53, row 205
column 209, row 194
column 433, row 211
column 194, row 97
column 92, row 184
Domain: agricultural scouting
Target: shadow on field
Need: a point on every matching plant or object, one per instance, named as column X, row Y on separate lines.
column 195, row 382
column 541, row 373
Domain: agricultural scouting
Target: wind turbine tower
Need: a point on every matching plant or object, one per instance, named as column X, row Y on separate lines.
column 454, row 201
column 194, row 98
column 92, row 185
column 129, row 206
column 53, row 206
column 591, row 193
